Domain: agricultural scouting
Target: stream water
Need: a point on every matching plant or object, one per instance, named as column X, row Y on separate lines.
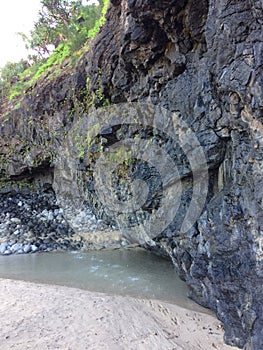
column 136, row 273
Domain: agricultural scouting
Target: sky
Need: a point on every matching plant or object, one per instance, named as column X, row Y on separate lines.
column 15, row 16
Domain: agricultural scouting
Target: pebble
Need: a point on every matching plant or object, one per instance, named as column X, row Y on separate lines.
column 27, row 248
column 31, row 223
column 16, row 247
column 34, row 248
column 42, row 247
column 7, row 252
column 3, row 247
column 50, row 216
column 15, row 220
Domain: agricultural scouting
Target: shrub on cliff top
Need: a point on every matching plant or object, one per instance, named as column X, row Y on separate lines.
column 66, row 26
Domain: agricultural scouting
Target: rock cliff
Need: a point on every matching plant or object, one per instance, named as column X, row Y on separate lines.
column 201, row 61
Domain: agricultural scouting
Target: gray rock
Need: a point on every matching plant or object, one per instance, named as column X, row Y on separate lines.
column 16, row 247
column 27, row 248
column 15, row 220
column 42, row 247
column 7, row 252
column 34, row 248
column 3, row 247
column 50, row 216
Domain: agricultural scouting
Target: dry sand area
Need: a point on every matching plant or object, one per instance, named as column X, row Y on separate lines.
column 37, row 316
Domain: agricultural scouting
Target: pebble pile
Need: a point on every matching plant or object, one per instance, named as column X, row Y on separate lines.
column 33, row 222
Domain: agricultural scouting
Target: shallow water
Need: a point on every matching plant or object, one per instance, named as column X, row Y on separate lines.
column 135, row 273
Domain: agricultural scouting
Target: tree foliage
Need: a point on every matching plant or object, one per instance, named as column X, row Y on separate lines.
column 62, row 29
column 11, row 70
column 63, row 21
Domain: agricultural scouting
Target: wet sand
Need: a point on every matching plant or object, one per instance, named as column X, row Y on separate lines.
column 38, row 316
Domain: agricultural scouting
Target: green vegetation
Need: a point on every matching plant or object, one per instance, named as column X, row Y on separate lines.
column 61, row 31
column 100, row 21
column 15, row 184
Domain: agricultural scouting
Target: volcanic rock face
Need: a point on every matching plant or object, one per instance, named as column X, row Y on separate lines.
column 203, row 61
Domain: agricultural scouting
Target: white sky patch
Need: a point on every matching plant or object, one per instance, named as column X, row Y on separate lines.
column 17, row 16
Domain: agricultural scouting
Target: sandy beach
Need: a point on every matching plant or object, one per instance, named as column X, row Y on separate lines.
column 38, row 316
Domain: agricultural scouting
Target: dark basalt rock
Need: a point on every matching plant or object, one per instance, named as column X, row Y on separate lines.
column 31, row 222
column 202, row 59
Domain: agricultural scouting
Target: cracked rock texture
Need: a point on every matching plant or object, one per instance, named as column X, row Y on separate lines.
column 202, row 60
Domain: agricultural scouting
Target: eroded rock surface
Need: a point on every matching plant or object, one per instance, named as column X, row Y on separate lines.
column 203, row 61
